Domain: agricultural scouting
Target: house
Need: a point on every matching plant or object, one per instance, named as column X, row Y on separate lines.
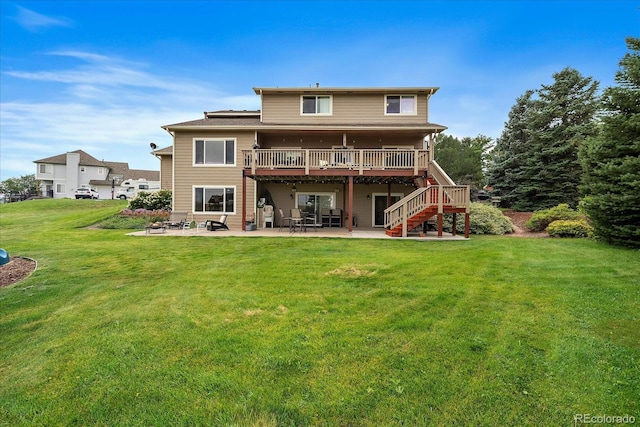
column 61, row 175
column 345, row 156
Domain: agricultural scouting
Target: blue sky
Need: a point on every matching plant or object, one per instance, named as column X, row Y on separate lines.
column 103, row 76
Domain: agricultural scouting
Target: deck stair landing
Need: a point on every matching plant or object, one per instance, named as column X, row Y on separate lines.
column 422, row 204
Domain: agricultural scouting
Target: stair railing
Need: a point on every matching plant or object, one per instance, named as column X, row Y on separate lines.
column 425, row 197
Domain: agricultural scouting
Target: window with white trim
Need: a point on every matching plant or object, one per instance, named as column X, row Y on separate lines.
column 316, row 104
column 214, row 152
column 60, row 188
column 400, row 104
column 44, row 168
column 214, row 199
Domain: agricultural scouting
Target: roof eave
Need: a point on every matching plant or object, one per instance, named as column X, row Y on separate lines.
column 427, row 90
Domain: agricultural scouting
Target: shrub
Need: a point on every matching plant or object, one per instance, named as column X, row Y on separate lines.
column 570, row 228
column 159, row 200
column 541, row 219
column 123, row 222
column 134, row 219
column 483, row 219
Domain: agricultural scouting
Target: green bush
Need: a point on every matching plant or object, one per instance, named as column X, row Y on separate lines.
column 483, row 219
column 570, row 228
column 541, row 219
column 159, row 200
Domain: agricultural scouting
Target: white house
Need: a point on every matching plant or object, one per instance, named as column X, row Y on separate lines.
column 61, row 175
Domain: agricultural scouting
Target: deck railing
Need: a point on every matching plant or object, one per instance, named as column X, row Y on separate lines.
column 440, row 196
column 327, row 159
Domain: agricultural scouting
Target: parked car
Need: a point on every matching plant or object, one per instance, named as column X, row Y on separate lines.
column 86, row 193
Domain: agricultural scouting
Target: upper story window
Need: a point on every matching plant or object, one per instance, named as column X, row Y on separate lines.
column 215, row 152
column 83, row 169
column 43, row 168
column 316, row 104
column 400, row 104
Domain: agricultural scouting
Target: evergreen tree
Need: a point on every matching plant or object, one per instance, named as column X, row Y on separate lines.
column 536, row 163
column 563, row 120
column 510, row 152
column 611, row 161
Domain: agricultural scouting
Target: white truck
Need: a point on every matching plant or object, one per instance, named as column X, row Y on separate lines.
column 131, row 187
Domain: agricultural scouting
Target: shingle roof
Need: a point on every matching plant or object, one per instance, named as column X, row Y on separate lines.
column 163, row 151
column 220, row 121
column 117, row 168
column 61, row 159
column 142, row 174
column 255, row 123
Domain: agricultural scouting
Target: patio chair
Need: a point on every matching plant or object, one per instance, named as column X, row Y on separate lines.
column 310, row 220
column 325, row 217
column 267, row 216
column 213, row 225
column 336, row 218
column 284, row 219
column 297, row 220
column 176, row 220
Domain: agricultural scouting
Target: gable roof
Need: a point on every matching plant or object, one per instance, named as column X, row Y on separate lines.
column 61, row 159
column 117, row 168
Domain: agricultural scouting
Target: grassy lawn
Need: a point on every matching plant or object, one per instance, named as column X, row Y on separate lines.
column 139, row 331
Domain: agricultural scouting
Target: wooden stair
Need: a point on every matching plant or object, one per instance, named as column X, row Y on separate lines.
column 413, row 222
column 422, row 204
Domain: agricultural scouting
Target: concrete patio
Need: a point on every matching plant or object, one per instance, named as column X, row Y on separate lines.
column 334, row 232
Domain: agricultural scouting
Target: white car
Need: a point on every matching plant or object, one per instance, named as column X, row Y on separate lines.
column 86, row 193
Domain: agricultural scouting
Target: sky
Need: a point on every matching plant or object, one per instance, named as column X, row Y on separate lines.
column 104, row 76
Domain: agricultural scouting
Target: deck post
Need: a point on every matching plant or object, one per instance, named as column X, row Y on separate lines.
column 306, row 162
column 453, row 225
column 440, row 224
column 466, row 225
column 244, row 202
column 404, row 220
column 350, row 217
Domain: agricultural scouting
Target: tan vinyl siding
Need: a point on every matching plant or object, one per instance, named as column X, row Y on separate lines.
column 346, row 109
column 166, row 173
column 188, row 176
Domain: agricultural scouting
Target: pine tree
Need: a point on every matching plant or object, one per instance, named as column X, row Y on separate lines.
column 611, row 161
column 536, row 165
column 511, row 151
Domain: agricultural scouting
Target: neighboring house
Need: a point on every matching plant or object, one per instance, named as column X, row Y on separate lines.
column 345, row 156
column 61, row 175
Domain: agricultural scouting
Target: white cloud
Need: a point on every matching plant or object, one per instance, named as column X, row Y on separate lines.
column 109, row 107
column 33, row 21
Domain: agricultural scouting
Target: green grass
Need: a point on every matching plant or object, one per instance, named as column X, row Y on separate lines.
column 136, row 331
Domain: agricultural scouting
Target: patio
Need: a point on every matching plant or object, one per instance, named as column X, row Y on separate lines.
column 357, row 233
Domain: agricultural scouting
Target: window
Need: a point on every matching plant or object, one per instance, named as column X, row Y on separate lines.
column 400, row 104
column 214, row 199
column 60, row 188
column 214, row 152
column 83, row 169
column 45, row 168
column 316, row 104
column 314, row 203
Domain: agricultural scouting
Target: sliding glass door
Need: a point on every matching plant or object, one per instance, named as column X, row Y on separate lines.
column 313, row 203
